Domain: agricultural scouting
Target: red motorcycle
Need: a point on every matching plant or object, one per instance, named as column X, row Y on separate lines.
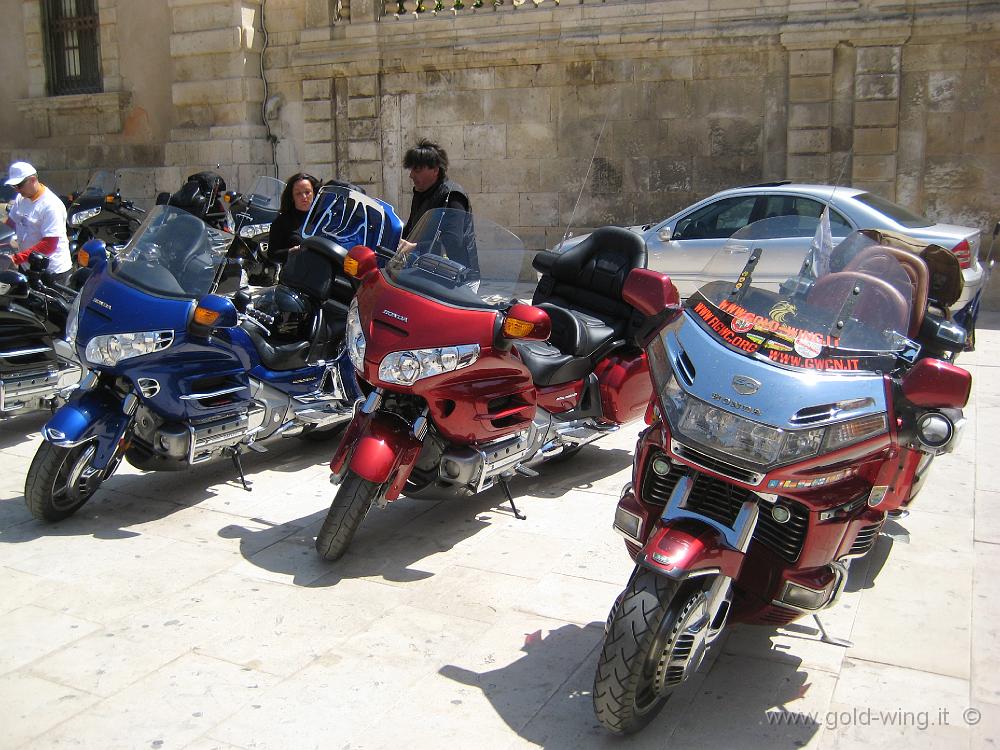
column 788, row 421
column 470, row 387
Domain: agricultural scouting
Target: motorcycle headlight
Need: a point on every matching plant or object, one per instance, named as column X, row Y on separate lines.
column 407, row 367
column 81, row 216
column 73, row 322
column 111, row 349
column 355, row 338
column 252, row 230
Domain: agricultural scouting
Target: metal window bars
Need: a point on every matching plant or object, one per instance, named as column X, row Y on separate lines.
column 416, row 7
column 72, row 46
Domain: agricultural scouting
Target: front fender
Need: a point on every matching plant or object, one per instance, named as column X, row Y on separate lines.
column 92, row 415
column 685, row 548
column 382, row 446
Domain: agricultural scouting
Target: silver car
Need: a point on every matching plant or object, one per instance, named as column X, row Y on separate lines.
column 683, row 244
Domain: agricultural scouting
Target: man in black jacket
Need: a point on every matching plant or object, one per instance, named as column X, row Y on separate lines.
column 428, row 165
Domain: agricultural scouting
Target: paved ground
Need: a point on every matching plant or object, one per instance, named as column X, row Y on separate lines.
column 178, row 611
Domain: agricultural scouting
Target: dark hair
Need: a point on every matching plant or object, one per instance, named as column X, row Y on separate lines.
column 427, row 154
column 287, row 202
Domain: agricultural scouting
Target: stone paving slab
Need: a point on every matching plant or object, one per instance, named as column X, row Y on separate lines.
column 179, row 611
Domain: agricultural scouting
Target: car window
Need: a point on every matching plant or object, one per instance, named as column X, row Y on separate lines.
column 895, row 212
column 717, row 220
column 797, row 205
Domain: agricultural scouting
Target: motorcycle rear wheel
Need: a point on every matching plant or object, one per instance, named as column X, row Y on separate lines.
column 349, row 508
column 633, row 683
column 60, row 480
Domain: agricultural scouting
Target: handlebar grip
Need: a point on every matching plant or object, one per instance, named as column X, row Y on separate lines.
column 263, row 317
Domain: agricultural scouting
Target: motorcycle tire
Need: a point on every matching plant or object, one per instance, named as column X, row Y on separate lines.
column 55, row 487
column 349, row 508
column 641, row 635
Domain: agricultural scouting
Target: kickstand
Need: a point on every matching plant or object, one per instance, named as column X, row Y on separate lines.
column 825, row 638
column 235, row 455
column 510, row 499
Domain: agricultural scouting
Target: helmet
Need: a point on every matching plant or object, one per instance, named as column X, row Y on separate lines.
column 291, row 311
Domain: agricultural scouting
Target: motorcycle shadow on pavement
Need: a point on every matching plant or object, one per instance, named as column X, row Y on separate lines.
column 546, row 696
column 863, row 571
column 390, row 544
column 131, row 499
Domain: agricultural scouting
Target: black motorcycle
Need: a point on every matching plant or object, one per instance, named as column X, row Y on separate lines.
column 204, row 195
column 100, row 212
column 253, row 213
column 38, row 368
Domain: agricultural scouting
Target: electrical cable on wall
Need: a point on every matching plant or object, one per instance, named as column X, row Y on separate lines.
column 271, row 138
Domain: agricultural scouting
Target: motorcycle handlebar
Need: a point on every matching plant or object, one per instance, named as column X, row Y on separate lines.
column 260, row 317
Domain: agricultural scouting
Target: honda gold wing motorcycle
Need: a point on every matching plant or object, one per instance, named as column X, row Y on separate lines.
column 786, row 424
column 37, row 368
column 100, row 212
column 178, row 375
column 466, row 385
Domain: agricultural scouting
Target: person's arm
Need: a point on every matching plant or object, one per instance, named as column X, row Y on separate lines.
column 279, row 239
column 45, row 246
column 53, row 226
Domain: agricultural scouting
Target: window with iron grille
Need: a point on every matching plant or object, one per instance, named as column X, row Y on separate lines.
column 72, row 47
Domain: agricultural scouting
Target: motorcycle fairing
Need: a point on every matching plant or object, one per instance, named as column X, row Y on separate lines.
column 91, row 415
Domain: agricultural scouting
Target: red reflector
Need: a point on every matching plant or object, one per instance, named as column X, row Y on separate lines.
column 963, row 252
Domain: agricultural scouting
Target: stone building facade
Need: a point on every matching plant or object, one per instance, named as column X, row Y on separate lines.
column 624, row 109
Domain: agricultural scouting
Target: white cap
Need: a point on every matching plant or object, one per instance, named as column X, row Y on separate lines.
column 19, row 172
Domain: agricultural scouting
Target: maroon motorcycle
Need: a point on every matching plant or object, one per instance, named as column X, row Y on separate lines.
column 788, row 420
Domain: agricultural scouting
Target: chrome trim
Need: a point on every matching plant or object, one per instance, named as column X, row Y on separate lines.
column 691, row 454
column 737, row 537
column 25, row 352
column 213, row 394
column 373, row 402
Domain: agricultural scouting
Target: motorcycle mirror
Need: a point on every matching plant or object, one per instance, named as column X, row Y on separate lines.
column 13, row 285
column 38, row 262
column 527, row 322
column 935, row 384
column 650, row 292
column 360, row 262
column 213, row 312
column 93, row 252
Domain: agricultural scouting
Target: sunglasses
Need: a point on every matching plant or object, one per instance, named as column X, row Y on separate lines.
column 21, row 184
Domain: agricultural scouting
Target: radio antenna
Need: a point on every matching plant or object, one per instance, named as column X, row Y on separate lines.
column 586, row 177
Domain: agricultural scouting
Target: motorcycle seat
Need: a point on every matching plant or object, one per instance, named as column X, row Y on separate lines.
column 282, row 357
column 577, row 333
column 549, row 366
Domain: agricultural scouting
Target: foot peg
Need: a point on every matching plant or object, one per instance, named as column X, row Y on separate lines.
column 524, row 471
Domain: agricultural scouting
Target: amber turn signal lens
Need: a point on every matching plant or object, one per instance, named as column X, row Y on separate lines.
column 351, row 267
column 513, row 328
column 83, row 258
column 109, row 199
column 204, row 316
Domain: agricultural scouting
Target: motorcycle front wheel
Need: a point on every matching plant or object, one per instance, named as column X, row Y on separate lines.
column 60, row 480
column 655, row 636
column 349, row 508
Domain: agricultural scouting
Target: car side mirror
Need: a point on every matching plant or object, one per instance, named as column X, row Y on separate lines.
column 665, row 234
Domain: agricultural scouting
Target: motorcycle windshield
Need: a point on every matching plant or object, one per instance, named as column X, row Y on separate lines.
column 462, row 260
column 103, row 182
column 844, row 308
column 266, row 193
column 173, row 254
column 350, row 218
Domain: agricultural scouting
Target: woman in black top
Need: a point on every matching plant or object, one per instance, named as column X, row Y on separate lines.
column 297, row 197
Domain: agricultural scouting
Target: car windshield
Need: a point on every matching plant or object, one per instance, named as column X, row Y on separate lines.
column 461, row 260
column 103, row 182
column 266, row 193
column 848, row 308
column 895, row 212
column 173, row 254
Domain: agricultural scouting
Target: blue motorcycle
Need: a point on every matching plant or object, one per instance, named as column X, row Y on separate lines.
column 179, row 373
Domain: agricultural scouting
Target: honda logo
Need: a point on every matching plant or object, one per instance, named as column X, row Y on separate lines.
column 745, row 386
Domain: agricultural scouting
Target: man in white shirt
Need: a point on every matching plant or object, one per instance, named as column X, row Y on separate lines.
column 38, row 217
